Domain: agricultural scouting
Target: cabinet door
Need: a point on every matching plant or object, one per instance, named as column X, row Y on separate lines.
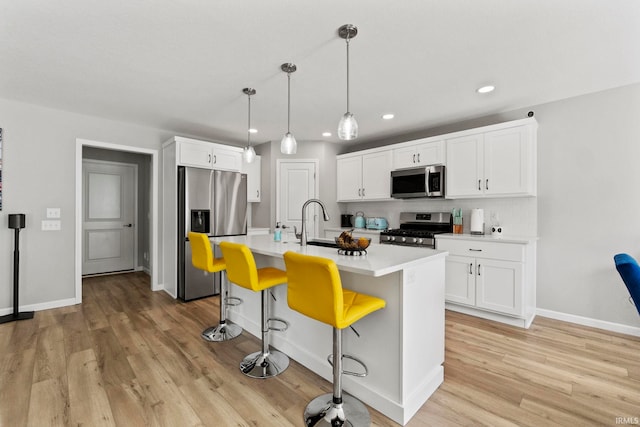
column 507, row 162
column 431, row 153
column 464, row 167
column 376, row 175
column 253, row 171
column 226, row 159
column 499, row 286
column 460, row 279
column 195, row 154
column 349, row 177
column 404, row 157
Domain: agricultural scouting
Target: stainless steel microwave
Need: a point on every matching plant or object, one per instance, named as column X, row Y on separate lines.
column 427, row 181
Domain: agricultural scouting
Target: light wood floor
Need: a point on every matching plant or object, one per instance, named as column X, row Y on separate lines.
column 131, row 357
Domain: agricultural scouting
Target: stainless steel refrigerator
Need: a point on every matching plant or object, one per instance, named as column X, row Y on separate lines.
column 212, row 202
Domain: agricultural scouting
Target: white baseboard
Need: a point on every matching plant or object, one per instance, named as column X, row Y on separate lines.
column 41, row 306
column 586, row 321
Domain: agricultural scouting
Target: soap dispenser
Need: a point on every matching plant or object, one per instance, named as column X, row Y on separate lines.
column 277, row 235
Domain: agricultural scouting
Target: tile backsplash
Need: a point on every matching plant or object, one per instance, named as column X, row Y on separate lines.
column 518, row 216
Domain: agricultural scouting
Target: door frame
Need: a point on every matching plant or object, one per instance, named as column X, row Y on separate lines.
column 316, row 162
column 153, row 203
column 136, row 267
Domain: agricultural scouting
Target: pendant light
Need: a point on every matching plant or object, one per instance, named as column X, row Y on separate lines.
column 288, row 145
column 249, row 153
column 348, row 127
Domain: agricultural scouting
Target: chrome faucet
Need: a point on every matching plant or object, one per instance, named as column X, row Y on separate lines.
column 303, row 231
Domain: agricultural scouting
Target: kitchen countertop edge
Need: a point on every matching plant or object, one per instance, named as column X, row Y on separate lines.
column 489, row 238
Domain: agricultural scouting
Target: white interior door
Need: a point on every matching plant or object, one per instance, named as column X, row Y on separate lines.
column 296, row 185
column 109, row 212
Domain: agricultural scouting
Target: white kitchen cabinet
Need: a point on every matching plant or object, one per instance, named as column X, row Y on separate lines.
column 364, row 176
column 415, row 154
column 253, row 171
column 490, row 278
column 500, row 162
column 208, row 155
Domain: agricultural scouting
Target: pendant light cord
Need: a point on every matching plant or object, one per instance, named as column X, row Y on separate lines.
column 347, row 39
column 288, row 102
column 249, row 124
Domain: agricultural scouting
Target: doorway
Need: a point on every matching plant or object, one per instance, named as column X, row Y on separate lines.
column 147, row 217
column 109, row 212
column 296, row 183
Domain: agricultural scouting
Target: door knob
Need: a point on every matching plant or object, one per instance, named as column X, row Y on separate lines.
column 128, row 225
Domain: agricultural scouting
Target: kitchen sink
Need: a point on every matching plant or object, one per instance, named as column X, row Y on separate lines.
column 325, row 243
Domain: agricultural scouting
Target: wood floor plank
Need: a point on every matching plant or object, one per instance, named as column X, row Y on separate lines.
column 131, row 357
column 87, row 397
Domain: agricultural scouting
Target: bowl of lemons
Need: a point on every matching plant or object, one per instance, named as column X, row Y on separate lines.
column 348, row 245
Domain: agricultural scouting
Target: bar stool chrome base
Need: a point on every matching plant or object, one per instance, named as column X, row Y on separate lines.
column 322, row 412
column 221, row 332
column 264, row 365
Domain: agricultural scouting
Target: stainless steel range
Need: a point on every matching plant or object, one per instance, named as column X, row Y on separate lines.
column 418, row 229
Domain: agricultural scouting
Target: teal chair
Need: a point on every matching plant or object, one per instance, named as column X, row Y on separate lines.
column 629, row 270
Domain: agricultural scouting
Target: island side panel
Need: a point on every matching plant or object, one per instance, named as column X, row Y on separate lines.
column 423, row 329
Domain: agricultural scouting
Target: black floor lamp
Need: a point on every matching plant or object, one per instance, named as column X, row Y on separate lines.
column 16, row 221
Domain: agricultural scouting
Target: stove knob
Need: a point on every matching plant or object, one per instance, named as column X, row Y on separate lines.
column 391, row 238
column 404, row 239
column 414, row 240
column 420, row 241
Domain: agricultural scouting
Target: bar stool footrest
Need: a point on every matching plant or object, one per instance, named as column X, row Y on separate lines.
column 233, row 301
column 277, row 328
column 358, row 361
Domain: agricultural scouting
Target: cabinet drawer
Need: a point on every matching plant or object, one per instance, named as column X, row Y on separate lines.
column 482, row 249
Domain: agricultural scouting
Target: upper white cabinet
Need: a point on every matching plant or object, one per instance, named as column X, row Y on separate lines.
column 364, row 176
column 253, row 171
column 498, row 162
column 207, row 155
column 418, row 154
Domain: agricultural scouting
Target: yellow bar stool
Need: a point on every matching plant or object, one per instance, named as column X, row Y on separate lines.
column 242, row 270
column 315, row 290
column 203, row 259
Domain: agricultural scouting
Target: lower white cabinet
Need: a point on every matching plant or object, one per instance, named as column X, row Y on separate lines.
column 490, row 278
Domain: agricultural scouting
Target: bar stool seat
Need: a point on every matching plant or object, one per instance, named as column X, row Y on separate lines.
column 203, row 259
column 242, row 270
column 315, row 290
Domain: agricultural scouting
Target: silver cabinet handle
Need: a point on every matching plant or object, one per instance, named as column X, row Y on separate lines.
column 257, row 193
column 475, row 250
column 209, row 161
column 418, row 157
column 470, row 268
column 487, row 184
column 479, row 269
column 359, row 192
column 363, row 192
column 414, row 158
column 215, row 159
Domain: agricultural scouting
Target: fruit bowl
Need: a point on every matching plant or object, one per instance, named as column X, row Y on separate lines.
column 347, row 245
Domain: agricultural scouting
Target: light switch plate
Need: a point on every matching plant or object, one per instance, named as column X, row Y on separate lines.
column 51, row 225
column 53, row 212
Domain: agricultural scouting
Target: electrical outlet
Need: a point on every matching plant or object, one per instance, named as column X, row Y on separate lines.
column 51, row 225
column 53, row 212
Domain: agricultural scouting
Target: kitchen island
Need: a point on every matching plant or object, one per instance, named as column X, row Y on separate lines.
column 402, row 344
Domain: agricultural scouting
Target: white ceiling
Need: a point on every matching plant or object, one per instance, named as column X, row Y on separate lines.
column 181, row 65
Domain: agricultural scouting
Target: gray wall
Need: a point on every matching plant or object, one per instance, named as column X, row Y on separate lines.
column 39, row 150
column 143, row 161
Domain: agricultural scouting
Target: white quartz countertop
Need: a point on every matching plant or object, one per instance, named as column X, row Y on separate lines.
column 378, row 261
column 488, row 238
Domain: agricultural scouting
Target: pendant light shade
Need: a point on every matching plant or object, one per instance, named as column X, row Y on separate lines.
column 249, row 154
column 348, row 127
column 288, row 145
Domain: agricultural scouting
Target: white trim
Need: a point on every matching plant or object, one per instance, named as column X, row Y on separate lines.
column 41, row 306
column 594, row 323
column 80, row 143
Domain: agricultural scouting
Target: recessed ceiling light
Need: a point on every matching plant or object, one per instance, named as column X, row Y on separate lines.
column 486, row 89
column 252, row 130
column 388, row 116
column 326, row 133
